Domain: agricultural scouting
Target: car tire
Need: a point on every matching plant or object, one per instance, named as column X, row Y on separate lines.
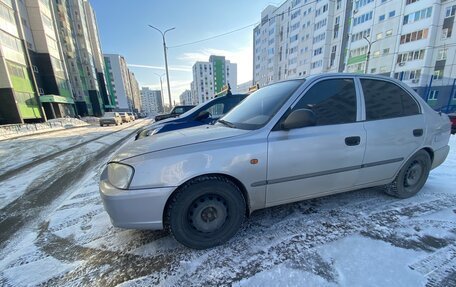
column 411, row 177
column 205, row 212
column 101, row 125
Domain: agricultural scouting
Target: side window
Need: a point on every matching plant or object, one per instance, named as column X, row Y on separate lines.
column 332, row 101
column 385, row 100
column 216, row 109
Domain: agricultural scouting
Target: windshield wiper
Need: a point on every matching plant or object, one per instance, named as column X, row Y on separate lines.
column 227, row 123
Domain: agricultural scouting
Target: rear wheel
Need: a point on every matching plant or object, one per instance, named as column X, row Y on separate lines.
column 206, row 212
column 411, row 177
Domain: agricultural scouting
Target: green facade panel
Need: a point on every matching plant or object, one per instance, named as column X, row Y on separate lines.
column 357, row 59
column 24, row 92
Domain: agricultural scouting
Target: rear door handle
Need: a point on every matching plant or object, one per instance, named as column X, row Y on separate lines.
column 417, row 132
column 352, row 141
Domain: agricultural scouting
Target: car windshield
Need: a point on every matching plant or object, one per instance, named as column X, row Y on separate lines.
column 258, row 108
column 110, row 114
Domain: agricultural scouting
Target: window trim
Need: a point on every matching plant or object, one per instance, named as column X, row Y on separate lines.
column 405, row 89
column 359, row 107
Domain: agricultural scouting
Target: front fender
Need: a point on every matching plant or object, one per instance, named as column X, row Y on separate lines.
column 173, row 167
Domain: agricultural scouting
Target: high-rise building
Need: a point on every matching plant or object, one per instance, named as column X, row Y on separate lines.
column 299, row 38
column 151, row 101
column 19, row 97
column 186, row 98
column 97, row 55
column 209, row 78
column 410, row 40
column 135, row 93
column 119, row 81
column 86, row 56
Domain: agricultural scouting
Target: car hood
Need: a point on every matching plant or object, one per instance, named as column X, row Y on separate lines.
column 177, row 138
column 165, row 121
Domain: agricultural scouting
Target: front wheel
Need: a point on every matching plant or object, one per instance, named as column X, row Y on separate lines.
column 411, row 177
column 206, row 212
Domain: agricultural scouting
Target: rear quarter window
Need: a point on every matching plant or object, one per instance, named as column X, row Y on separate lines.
column 385, row 100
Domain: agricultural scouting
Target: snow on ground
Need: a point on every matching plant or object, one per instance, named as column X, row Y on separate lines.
column 25, row 152
column 359, row 238
column 17, row 152
column 17, row 130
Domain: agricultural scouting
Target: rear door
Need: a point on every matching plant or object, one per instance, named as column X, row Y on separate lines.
column 320, row 159
column 394, row 125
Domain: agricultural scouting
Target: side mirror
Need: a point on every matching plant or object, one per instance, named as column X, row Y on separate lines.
column 299, row 119
column 202, row 116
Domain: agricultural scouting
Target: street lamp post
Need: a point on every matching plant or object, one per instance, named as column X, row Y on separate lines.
column 368, row 53
column 166, row 61
column 161, row 86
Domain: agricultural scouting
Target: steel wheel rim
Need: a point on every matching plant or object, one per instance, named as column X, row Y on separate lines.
column 208, row 213
column 413, row 174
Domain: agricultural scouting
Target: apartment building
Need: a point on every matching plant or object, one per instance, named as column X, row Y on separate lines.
column 299, row 38
column 135, row 93
column 151, row 101
column 97, row 54
column 411, row 40
column 209, row 78
column 186, row 98
column 119, row 82
column 19, row 97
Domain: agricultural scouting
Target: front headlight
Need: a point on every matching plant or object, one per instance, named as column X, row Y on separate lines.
column 120, row 175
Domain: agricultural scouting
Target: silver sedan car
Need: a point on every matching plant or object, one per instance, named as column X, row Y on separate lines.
column 287, row 142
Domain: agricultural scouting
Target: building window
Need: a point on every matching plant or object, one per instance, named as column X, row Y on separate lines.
column 414, row 36
column 438, row 74
column 417, row 16
column 389, row 33
column 442, row 54
column 392, row 13
column 381, row 18
column 363, row 18
column 433, row 95
column 450, row 11
column 361, row 3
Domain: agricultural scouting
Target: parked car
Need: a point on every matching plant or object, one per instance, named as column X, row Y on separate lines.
column 205, row 113
column 125, row 117
column 453, row 123
column 287, row 142
column 132, row 117
column 176, row 111
column 111, row 118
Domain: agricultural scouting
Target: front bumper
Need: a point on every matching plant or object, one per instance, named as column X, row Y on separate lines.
column 440, row 155
column 135, row 209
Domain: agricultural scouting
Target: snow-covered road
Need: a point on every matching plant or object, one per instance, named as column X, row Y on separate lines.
column 360, row 238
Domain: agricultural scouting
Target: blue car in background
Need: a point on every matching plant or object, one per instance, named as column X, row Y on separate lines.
column 203, row 114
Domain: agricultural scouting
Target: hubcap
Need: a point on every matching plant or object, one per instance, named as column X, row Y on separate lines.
column 208, row 213
column 413, row 174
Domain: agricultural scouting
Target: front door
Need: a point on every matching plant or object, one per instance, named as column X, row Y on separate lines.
column 320, row 159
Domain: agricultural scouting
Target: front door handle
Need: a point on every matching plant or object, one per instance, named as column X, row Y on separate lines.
column 352, row 141
column 417, row 132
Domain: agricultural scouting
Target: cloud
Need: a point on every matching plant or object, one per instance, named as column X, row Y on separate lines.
column 171, row 68
column 243, row 57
